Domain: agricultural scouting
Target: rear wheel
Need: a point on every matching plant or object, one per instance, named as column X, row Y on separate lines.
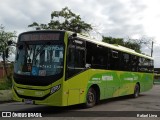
column 136, row 91
column 90, row 98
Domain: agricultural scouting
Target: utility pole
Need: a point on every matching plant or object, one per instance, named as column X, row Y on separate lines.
column 152, row 49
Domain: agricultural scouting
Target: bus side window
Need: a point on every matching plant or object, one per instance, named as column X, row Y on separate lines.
column 134, row 63
column 145, row 65
column 126, row 62
column 76, row 61
column 71, row 57
column 114, row 60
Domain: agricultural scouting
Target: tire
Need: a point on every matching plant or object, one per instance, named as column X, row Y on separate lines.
column 90, row 98
column 136, row 91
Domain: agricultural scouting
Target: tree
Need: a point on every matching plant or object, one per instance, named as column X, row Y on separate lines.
column 111, row 40
column 65, row 20
column 134, row 44
column 137, row 44
column 5, row 42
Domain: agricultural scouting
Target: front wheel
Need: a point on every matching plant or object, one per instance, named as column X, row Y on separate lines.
column 136, row 91
column 90, row 98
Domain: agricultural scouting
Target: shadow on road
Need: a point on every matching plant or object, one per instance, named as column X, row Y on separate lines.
column 124, row 98
column 69, row 111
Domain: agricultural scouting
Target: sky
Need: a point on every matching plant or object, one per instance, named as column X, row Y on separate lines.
column 116, row 18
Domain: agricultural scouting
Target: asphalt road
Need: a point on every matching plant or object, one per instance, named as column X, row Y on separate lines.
column 122, row 106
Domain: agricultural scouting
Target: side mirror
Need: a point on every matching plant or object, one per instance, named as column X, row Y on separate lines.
column 74, row 35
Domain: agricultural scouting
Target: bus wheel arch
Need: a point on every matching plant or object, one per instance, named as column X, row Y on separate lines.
column 93, row 93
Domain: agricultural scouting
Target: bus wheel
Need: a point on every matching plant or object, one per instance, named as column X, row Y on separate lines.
column 136, row 91
column 90, row 98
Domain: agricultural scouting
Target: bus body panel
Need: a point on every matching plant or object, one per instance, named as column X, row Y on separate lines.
column 76, row 87
column 74, row 90
column 39, row 95
column 111, row 84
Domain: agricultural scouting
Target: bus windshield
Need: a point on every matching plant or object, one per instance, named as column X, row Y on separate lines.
column 39, row 59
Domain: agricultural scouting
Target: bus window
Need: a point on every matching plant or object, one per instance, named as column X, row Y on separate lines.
column 76, row 61
column 114, row 60
column 134, row 63
column 126, row 62
column 96, row 56
column 145, row 65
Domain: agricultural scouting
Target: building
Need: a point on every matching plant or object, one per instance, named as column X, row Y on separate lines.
column 2, row 70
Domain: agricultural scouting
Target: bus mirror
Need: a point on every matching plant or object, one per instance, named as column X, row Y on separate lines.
column 74, row 35
column 88, row 65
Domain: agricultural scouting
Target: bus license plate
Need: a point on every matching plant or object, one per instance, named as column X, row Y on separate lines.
column 28, row 101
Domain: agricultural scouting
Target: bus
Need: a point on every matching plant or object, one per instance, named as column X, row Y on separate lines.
column 63, row 68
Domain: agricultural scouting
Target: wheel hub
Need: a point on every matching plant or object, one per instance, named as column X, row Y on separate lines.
column 91, row 97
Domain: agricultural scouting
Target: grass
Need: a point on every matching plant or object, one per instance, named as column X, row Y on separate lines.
column 5, row 96
column 5, row 84
column 5, row 90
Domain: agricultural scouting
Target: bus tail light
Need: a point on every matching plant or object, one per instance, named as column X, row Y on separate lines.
column 55, row 88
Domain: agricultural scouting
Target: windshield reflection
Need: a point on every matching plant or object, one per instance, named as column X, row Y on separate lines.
column 39, row 59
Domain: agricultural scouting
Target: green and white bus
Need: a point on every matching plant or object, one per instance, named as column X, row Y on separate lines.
column 62, row 68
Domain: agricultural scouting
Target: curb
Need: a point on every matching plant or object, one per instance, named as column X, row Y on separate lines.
column 2, row 102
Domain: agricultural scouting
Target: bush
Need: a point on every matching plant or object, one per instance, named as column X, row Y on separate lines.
column 5, row 84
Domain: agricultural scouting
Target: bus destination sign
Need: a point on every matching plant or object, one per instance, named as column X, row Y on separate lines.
column 40, row 36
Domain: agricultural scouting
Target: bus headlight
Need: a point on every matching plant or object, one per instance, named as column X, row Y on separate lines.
column 55, row 88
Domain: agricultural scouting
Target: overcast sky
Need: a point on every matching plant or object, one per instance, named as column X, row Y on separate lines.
column 116, row 18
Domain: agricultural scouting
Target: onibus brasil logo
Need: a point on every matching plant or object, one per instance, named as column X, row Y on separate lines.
column 18, row 114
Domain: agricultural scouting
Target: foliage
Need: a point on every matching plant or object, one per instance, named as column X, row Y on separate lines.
column 111, row 40
column 65, row 20
column 5, row 42
column 5, row 84
column 134, row 44
column 5, row 38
